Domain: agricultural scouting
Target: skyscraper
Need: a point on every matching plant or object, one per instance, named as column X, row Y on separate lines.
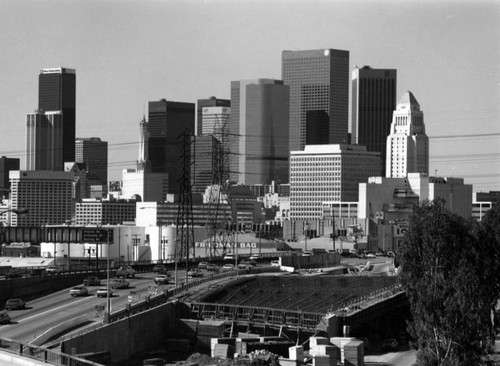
column 319, row 93
column 44, row 141
column 259, row 131
column 203, row 103
column 407, row 143
column 373, row 101
column 57, row 92
column 6, row 165
column 93, row 152
column 203, row 153
column 167, row 124
column 212, row 119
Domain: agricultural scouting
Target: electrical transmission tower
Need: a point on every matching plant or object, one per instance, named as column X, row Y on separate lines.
column 219, row 211
column 184, row 247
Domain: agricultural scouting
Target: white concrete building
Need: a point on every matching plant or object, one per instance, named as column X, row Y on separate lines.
column 327, row 173
column 407, row 143
column 213, row 118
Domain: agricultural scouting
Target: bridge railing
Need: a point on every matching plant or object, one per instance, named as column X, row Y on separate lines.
column 43, row 354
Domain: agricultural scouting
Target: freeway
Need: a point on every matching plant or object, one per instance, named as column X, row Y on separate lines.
column 46, row 312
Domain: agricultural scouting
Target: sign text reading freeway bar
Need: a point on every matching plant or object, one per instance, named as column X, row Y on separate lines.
column 97, row 236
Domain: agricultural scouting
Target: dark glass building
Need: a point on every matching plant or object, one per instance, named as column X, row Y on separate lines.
column 167, row 124
column 319, row 82
column 6, row 165
column 210, row 102
column 57, row 92
column 204, row 152
column 373, row 102
column 93, row 152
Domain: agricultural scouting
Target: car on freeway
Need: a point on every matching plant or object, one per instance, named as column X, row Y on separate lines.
column 79, row 291
column 275, row 263
column 91, row 281
column 255, row 257
column 212, row 267
column 53, row 270
column 103, row 292
column 162, row 279
column 229, row 257
column 125, row 271
column 160, row 268
column 4, row 317
column 390, row 344
column 244, row 266
column 195, row 273
column 227, row 267
column 370, row 255
column 15, row 304
column 249, row 262
column 390, row 254
column 202, row 265
column 119, row 283
column 306, row 253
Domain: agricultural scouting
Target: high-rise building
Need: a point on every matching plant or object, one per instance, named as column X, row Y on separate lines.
column 168, row 122
column 259, row 131
column 210, row 102
column 57, row 92
column 204, row 149
column 213, row 120
column 47, row 195
column 6, row 165
column 319, row 96
column 373, row 102
column 328, row 173
column 407, row 143
column 44, row 141
column 93, row 152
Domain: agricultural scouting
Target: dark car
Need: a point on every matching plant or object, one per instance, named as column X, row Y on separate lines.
column 160, row 268
column 15, row 304
column 91, row 281
column 14, row 273
column 119, row 283
column 390, row 344
column 79, row 291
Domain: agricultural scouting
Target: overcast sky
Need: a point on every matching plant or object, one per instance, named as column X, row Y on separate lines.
column 129, row 52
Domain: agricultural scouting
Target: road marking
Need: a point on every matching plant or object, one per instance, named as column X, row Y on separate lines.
column 54, row 309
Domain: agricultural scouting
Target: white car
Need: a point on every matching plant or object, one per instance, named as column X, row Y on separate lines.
column 162, row 279
column 103, row 292
column 228, row 267
column 79, row 291
column 275, row 263
column 53, row 269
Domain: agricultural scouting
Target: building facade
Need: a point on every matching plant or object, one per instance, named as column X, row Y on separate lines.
column 213, row 120
column 210, row 103
column 259, row 131
column 168, row 121
column 149, row 187
column 93, row 152
column 204, row 152
column 44, row 141
column 373, row 102
column 6, row 165
column 407, row 143
column 46, row 194
column 327, row 173
column 57, row 92
column 319, row 95
column 102, row 212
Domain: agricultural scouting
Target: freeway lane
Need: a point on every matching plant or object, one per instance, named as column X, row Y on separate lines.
column 51, row 310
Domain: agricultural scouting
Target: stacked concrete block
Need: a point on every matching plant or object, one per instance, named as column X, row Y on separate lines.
column 329, row 350
column 216, row 341
column 354, row 353
column 223, row 351
column 321, row 360
column 340, row 342
column 296, row 353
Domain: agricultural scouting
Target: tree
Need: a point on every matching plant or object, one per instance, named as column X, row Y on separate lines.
column 450, row 270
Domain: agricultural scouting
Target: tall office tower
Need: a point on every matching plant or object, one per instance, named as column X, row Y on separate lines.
column 204, row 149
column 167, row 124
column 328, row 173
column 6, row 165
column 259, row 131
column 57, row 92
column 407, row 143
column 210, row 102
column 44, row 141
column 319, row 96
column 46, row 195
column 93, row 152
column 373, row 101
column 143, row 161
column 213, row 118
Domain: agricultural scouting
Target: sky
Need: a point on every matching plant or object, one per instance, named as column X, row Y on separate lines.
column 129, row 52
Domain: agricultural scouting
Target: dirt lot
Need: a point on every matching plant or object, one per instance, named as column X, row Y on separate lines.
column 306, row 293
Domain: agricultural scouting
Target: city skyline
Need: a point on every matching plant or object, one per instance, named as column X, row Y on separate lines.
column 185, row 51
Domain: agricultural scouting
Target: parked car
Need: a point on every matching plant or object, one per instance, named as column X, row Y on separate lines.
column 370, row 255
column 306, row 254
column 390, row 344
column 4, row 317
column 275, row 263
column 36, row 272
column 15, row 304
column 79, row 291
column 125, row 271
column 244, row 266
column 195, row 273
column 255, row 257
column 249, row 263
column 229, row 257
column 162, row 279
column 228, row 267
column 53, row 270
column 119, row 283
column 212, row 267
column 14, row 273
column 202, row 265
column 91, row 281
column 103, row 292
column 160, row 268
